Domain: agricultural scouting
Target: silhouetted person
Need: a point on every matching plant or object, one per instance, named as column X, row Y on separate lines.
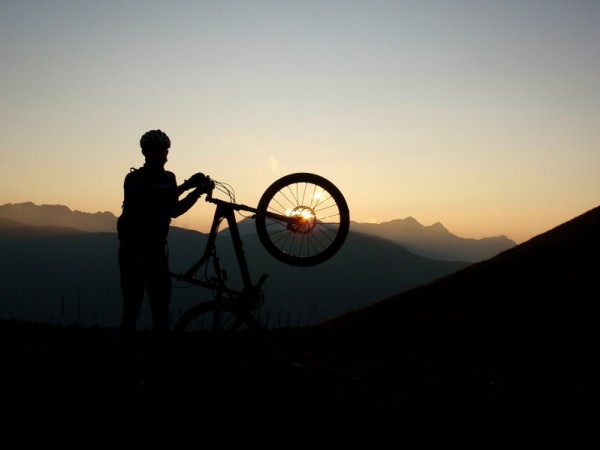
column 151, row 199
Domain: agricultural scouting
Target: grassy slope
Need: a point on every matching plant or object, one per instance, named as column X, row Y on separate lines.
column 380, row 377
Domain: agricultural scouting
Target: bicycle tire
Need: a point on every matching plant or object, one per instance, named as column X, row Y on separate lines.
column 215, row 316
column 321, row 232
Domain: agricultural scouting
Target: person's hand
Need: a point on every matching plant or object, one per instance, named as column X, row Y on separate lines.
column 198, row 181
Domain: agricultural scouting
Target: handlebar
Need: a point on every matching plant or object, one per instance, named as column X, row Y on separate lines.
column 210, row 187
column 293, row 220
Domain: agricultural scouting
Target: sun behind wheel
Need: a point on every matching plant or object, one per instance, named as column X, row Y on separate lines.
column 302, row 219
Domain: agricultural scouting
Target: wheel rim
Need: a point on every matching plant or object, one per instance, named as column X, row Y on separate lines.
column 321, row 224
column 211, row 317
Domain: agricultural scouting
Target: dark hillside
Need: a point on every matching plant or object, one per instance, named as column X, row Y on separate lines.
column 552, row 280
column 492, row 357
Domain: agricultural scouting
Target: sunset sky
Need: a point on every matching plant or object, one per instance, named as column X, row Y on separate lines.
column 482, row 115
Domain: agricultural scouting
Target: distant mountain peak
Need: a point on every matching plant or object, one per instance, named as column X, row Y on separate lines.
column 407, row 220
column 438, row 227
column 435, row 241
column 29, row 213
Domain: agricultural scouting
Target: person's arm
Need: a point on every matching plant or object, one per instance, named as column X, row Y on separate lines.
column 182, row 206
column 198, row 180
column 182, row 188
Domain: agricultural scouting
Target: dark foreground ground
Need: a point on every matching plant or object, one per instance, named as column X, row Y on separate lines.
column 66, row 387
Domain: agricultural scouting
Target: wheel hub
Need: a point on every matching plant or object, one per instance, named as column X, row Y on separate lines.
column 305, row 219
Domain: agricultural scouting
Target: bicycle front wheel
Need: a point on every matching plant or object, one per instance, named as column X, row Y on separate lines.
column 215, row 316
column 302, row 219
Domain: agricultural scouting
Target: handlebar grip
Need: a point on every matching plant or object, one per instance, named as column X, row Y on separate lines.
column 210, row 188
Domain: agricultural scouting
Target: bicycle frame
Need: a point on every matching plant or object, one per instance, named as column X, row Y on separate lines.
column 302, row 219
column 226, row 210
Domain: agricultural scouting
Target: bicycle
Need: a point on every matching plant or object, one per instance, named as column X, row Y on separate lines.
column 302, row 219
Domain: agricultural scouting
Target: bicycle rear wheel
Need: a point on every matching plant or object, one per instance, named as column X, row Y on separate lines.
column 321, row 219
column 215, row 316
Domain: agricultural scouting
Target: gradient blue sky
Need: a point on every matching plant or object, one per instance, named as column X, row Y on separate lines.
column 483, row 115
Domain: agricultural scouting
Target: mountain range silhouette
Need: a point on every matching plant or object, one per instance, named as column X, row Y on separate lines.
column 60, row 265
column 62, row 216
column 434, row 241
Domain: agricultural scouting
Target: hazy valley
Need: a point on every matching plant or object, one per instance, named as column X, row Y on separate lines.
column 60, row 266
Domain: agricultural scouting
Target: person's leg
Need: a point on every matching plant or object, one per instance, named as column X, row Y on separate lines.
column 132, row 289
column 159, row 295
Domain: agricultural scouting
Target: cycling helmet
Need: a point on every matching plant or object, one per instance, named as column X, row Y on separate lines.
column 155, row 139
